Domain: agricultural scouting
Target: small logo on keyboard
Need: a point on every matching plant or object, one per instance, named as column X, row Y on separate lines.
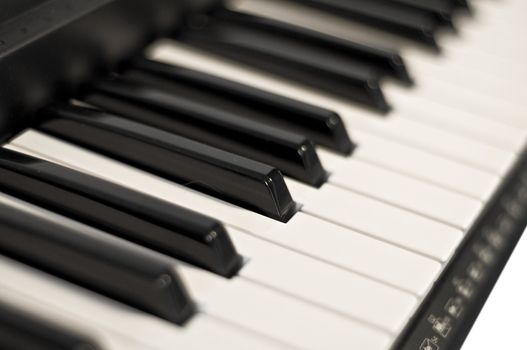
column 429, row 344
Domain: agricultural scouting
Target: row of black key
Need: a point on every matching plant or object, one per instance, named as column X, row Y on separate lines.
column 236, row 147
column 336, row 66
column 415, row 19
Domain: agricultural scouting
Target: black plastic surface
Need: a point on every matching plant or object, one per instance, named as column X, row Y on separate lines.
column 144, row 220
column 323, row 62
column 180, row 109
column 48, row 48
column 323, row 126
column 22, row 331
column 131, row 276
column 448, row 313
column 240, row 180
column 390, row 16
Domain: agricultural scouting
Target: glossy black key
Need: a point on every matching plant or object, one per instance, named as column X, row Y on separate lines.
column 142, row 219
column 240, row 180
column 443, row 10
column 333, row 65
column 22, row 331
column 386, row 15
column 93, row 260
column 190, row 114
column 323, row 126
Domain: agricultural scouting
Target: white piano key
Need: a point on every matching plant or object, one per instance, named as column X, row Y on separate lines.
column 324, row 284
column 467, row 100
column 115, row 322
column 166, row 333
column 434, row 140
column 434, row 169
column 465, row 53
column 393, row 127
column 283, row 317
column 383, row 221
column 503, row 44
column 438, row 113
column 414, row 195
column 486, row 83
column 362, row 252
column 343, row 247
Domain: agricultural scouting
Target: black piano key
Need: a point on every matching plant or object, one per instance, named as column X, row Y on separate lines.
column 323, row 126
column 22, row 331
column 144, row 220
column 384, row 62
column 124, row 273
column 461, row 3
column 193, row 117
column 240, row 180
column 386, row 15
column 443, row 10
column 326, row 63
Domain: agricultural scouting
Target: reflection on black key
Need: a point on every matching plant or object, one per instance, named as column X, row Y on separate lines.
column 193, row 117
column 144, row 220
column 326, row 63
column 109, row 267
column 323, row 126
column 387, row 15
column 443, row 10
column 225, row 175
column 21, row 331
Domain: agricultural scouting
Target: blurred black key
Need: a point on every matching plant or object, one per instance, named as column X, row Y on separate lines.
column 144, row 220
column 22, row 331
column 91, row 260
column 323, row 126
column 228, row 176
column 191, row 116
column 443, row 10
column 333, row 65
column 386, row 15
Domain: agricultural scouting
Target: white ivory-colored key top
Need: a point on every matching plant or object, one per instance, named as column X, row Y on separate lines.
column 323, row 284
column 363, row 254
column 356, row 252
column 468, row 53
column 434, row 140
column 400, row 190
column 488, row 84
column 438, row 170
column 435, row 112
column 282, row 317
column 110, row 317
column 459, row 97
column 395, row 127
column 344, row 292
column 383, row 221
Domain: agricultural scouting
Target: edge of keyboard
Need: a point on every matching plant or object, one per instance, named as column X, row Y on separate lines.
column 504, row 218
column 50, row 30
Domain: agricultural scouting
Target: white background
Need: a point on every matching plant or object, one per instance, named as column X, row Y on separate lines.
column 502, row 324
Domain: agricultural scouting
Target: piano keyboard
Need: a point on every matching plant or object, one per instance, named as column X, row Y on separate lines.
column 275, row 174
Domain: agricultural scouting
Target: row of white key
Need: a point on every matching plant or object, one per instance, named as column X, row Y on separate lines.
column 475, row 153
column 339, row 274
column 243, row 302
column 381, row 146
column 347, row 209
column 463, row 55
